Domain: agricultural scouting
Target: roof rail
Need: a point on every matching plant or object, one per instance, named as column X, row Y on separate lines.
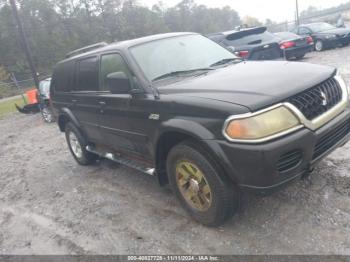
column 86, row 48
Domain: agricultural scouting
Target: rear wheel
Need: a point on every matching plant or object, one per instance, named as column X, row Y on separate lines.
column 319, row 46
column 195, row 179
column 77, row 146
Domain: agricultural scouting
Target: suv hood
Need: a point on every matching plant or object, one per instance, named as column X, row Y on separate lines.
column 255, row 85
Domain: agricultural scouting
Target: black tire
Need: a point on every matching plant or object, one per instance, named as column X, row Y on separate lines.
column 47, row 114
column 85, row 158
column 319, row 46
column 225, row 197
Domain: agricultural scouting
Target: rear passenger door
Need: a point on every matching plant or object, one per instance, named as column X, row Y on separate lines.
column 84, row 103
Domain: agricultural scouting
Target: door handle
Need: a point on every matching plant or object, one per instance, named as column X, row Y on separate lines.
column 102, row 105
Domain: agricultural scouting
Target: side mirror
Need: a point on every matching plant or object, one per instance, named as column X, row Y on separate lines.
column 118, row 83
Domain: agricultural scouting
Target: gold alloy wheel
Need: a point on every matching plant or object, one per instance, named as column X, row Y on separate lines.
column 193, row 185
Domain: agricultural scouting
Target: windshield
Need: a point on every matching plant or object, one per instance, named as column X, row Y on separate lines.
column 320, row 27
column 183, row 53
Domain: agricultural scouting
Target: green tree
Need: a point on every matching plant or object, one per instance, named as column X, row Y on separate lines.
column 250, row 21
column 4, row 75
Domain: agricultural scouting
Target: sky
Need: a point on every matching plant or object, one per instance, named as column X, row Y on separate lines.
column 276, row 10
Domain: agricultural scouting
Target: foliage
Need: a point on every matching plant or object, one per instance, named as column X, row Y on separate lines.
column 55, row 27
column 4, row 75
column 249, row 21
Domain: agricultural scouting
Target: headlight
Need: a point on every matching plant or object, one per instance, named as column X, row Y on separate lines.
column 261, row 126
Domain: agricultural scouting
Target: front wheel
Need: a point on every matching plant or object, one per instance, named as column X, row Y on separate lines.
column 194, row 178
column 319, row 46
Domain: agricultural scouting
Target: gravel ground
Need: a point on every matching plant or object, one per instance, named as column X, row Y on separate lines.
column 50, row 205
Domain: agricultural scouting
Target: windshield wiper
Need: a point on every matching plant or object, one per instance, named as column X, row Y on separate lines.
column 176, row 73
column 227, row 61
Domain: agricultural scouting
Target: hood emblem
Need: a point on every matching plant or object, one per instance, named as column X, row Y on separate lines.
column 266, row 46
column 324, row 99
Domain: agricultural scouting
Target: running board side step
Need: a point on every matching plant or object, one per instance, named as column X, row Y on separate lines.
column 122, row 161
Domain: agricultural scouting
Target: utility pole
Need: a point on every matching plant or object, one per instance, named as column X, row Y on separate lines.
column 297, row 12
column 24, row 43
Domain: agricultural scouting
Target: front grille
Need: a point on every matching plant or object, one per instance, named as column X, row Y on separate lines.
column 289, row 160
column 327, row 141
column 319, row 99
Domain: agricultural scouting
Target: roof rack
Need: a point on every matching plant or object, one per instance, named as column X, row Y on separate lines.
column 86, row 48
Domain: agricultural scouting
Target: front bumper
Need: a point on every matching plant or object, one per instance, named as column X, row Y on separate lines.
column 254, row 167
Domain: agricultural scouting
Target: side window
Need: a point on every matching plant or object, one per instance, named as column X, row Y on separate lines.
column 112, row 63
column 62, row 80
column 304, row 31
column 87, row 75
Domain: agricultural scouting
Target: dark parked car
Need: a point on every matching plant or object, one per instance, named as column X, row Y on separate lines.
column 325, row 35
column 183, row 108
column 252, row 44
column 294, row 46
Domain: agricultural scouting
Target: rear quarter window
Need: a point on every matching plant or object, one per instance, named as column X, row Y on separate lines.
column 87, row 74
column 63, row 77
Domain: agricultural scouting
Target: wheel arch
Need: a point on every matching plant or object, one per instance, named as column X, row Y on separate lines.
column 66, row 116
column 176, row 133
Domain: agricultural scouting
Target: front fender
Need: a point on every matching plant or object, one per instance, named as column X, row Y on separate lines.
column 205, row 138
column 187, row 127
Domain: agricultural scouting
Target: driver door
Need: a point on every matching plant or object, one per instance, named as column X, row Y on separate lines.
column 116, row 117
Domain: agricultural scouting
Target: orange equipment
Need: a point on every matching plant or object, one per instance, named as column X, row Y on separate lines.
column 32, row 96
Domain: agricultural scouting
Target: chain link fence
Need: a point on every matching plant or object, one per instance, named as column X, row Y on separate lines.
column 330, row 16
column 9, row 88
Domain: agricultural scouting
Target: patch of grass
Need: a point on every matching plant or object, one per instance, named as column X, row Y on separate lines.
column 8, row 106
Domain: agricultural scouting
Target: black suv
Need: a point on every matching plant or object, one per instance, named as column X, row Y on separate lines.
column 250, row 43
column 183, row 108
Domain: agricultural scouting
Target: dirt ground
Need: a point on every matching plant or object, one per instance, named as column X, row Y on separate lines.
column 50, row 205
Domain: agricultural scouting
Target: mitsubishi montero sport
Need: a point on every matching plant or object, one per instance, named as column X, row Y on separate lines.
column 183, row 108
